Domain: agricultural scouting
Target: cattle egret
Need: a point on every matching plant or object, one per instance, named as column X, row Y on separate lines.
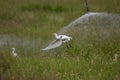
column 59, row 40
column 115, row 58
column 13, row 52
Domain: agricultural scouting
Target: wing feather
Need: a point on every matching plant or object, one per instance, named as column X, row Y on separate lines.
column 53, row 44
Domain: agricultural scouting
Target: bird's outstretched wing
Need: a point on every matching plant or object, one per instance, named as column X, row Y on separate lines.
column 54, row 44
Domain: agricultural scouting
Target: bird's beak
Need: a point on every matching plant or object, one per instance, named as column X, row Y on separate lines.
column 53, row 33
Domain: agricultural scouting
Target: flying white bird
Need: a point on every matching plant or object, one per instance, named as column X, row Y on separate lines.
column 59, row 40
column 13, row 52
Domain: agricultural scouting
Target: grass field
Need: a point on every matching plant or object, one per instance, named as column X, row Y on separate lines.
column 29, row 24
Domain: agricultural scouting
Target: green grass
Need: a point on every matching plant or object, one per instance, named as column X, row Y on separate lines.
column 32, row 22
column 65, row 68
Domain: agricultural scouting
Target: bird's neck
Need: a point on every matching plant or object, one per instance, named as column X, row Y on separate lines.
column 115, row 57
column 13, row 51
column 56, row 35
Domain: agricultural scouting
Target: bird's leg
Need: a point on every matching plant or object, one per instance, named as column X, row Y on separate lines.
column 57, row 55
column 68, row 45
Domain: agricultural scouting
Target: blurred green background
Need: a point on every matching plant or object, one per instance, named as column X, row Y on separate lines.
column 32, row 22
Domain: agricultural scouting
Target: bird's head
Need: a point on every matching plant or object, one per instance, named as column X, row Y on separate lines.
column 115, row 55
column 13, row 48
column 54, row 33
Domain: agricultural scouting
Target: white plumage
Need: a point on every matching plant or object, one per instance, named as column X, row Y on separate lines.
column 59, row 40
column 115, row 58
column 13, row 52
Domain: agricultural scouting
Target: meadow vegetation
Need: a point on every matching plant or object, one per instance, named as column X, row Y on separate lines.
column 33, row 21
